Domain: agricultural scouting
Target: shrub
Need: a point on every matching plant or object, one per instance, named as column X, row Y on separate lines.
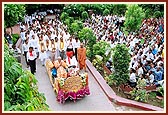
column 121, row 60
column 157, row 14
column 139, row 95
column 106, row 12
column 15, row 38
column 64, row 16
column 84, row 15
column 87, row 36
column 20, row 87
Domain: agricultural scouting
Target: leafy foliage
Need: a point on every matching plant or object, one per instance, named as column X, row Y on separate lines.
column 84, row 15
column 13, row 13
column 153, row 10
column 121, row 60
column 133, row 17
column 106, row 12
column 15, row 37
column 157, row 14
column 139, row 95
column 20, row 87
column 87, row 36
column 64, row 16
column 119, row 9
column 105, row 51
column 97, row 62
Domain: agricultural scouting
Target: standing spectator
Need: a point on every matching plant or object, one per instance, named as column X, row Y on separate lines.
column 25, row 48
column 57, row 53
column 132, row 80
column 22, row 27
column 9, row 39
column 31, row 58
column 62, row 48
column 76, row 46
column 22, row 35
column 42, row 55
column 82, row 57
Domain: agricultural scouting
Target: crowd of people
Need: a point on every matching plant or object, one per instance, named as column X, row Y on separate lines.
column 146, row 46
column 49, row 39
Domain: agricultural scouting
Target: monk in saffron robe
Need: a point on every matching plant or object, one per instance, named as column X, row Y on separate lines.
column 81, row 54
column 61, row 67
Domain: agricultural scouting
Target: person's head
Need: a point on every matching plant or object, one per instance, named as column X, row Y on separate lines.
column 81, row 45
column 30, row 49
column 56, row 39
column 150, row 72
column 76, row 38
column 33, row 36
column 59, row 59
column 52, row 41
column 61, row 39
column 158, row 68
column 132, row 70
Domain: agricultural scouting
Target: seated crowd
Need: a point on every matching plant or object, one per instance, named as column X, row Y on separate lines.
column 146, row 46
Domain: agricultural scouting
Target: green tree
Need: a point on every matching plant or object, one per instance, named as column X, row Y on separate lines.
column 106, row 12
column 133, row 17
column 121, row 60
column 75, row 27
column 87, row 36
column 104, row 52
column 84, row 15
column 13, row 13
column 64, row 16
column 157, row 14
column 119, row 9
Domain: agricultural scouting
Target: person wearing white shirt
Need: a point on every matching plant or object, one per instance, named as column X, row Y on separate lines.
column 22, row 35
column 25, row 50
column 140, row 70
column 70, row 45
column 34, row 43
column 76, row 44
column 132, row 80
column 57, row 44
column 71, row 61
column 62, row 48
column 42, row 55
column 149, row 78
column 31, row 58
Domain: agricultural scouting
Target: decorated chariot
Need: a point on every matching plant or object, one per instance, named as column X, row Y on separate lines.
column 72, row 86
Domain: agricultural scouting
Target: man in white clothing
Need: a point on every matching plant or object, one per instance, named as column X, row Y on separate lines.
column 31, row 58
column 76, row 45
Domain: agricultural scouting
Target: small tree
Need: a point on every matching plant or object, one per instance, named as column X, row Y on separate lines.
column 64, row 16
column 106, row 12
column 84, row 15
column 121, row 60
column 133, row 17
column 103, row 49
column 87, row 36
column 157, row 14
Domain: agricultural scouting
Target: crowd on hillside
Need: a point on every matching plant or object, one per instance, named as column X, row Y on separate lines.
column 146, row 46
